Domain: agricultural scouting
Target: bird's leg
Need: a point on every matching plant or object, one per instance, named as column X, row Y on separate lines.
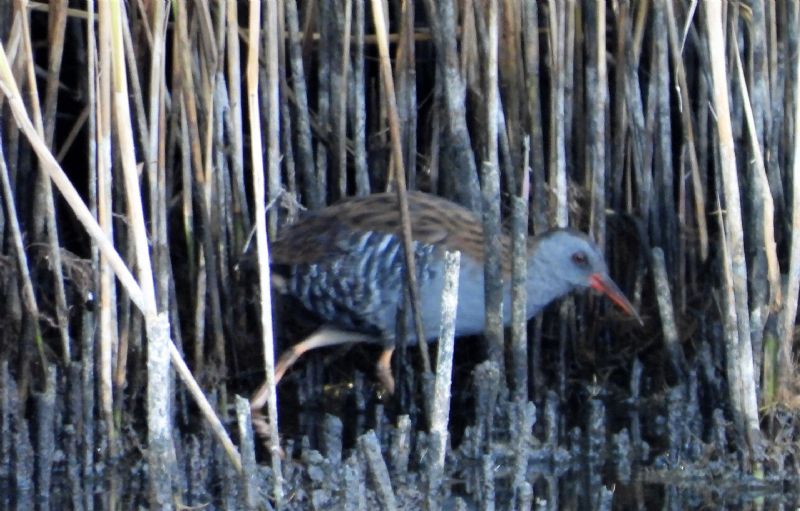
column 324, row 336
column 384, row 369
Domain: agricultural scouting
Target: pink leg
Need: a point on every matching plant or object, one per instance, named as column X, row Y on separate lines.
column 324, row 336
column 384, row 369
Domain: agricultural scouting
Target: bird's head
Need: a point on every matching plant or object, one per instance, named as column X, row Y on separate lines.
column 574, row 258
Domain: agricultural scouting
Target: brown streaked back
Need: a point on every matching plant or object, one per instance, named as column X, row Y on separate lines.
column 434, row 221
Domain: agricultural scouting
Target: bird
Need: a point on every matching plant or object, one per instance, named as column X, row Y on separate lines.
column 345, row 263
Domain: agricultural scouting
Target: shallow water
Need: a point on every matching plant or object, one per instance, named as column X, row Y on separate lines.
column 600, row 447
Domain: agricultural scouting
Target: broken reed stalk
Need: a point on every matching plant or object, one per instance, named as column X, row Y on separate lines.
column 159, row 421
column 370, row 449
column 440, row 401
column 440, row 406
column 667, row 313
column 154, row 148
column 519, row 276
column 254, row 118
column 249, row 476
column 490, row 191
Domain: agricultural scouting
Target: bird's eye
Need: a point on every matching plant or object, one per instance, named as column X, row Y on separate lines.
column 580, row 259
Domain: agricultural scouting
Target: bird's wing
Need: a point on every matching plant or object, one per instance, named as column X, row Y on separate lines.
column 325, row 233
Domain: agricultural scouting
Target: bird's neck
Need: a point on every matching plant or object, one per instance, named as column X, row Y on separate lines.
column 544, row 283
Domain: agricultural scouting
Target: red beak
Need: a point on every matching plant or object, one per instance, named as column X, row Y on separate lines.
column 605, row 285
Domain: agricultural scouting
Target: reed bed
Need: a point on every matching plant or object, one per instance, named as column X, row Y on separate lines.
column 180, row 137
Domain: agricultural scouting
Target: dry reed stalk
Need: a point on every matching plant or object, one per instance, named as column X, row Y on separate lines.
column 638, row 125
column 28, row 296
column 320, row 16
column 440, row 404
column 777, row 92
column 57, row 26
column 154, row 149
column 77, row 128
column 666, row 311
column 511, row 83
column 539, row 198
column 108, row 321
column 359, row 121
column 687, row 125
column 519, row 277
column 620, row 188
column 664, row 221
column 225, row 220
column 271, row 30
column 254, row 118
column 464, row 171
column 640, row 25
column 398, row 173
column 737, row 289
column 103, row 278
column 240, row 206
column 370, row 450
column 44, row 199
column 597, row 78
column 312, row 192
column 9, row 89
column 250, row 476
column 405, row 69
column 214, row 171
column 286, row 127
column 761, row 188
column 490, row 187
column 786, row 365
column 142, row 127
column 339, row 80
column 160, row 452
column 557, row 62
column 730, row 333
